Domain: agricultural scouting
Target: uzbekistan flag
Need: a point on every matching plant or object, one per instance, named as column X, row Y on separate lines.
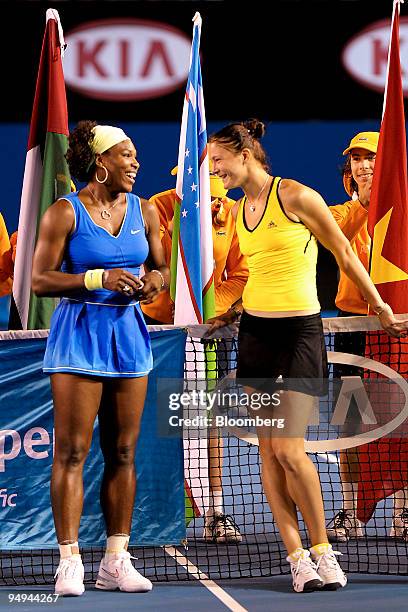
column 192, row 262
column 46, row 174
column 384, row 463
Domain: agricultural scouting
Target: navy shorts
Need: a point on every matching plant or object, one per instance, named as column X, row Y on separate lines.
column 291, row 347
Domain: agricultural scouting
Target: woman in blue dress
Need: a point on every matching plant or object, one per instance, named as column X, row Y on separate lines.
column 90, row 248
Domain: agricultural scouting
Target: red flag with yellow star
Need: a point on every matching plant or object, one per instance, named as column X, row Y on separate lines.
column 383, row 463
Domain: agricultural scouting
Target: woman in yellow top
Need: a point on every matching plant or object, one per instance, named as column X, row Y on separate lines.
column 230, row 276
column 281, row 331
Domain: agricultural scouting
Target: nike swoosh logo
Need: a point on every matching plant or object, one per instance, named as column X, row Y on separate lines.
column 135, row 231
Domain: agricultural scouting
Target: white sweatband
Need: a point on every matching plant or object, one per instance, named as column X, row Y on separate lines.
column 105, row 137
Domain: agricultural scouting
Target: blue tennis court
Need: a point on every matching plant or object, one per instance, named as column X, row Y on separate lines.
column 256, row 594
column 245, row 576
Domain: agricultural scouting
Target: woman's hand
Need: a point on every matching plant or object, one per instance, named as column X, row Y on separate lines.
column 229, row 317
column 396, row 329
column 152, row 285
column 121, row 281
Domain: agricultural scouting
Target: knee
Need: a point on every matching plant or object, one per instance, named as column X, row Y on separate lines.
column 70, row 454
column 290, row 459
column 122, row 456
column 266, row 451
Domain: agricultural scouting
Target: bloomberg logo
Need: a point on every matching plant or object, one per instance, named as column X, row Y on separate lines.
column 126, row 59
column 365, row 56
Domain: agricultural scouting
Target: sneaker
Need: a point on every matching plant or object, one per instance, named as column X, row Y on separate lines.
column 221, row 528
column 399, row 527
column 304, row 574
column 70, row 576
column 346, row 526
column 329, row 570
column 117, row 572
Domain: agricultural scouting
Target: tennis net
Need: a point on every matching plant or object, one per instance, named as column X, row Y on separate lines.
column 348, row 437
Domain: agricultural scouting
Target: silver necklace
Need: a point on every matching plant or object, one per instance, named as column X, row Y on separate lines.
column 252, row 207
column 105, row 212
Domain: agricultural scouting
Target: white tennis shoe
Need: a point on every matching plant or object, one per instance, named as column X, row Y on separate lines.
column 346, row 526
column 329, row 570
column 70, row 576
column 304, row 574
column 399, row 529
column 221, row 528
column 117, row 572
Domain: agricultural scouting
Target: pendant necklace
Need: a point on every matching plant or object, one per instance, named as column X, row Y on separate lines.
column 105, row 212
column 252, row 207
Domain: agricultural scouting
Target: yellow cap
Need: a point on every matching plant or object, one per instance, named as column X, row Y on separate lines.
column 364, row 140
column 217, row 189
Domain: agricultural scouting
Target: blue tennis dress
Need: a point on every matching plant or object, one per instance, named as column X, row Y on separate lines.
column 101, row 333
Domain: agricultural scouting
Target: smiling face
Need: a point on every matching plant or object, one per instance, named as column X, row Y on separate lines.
column 228, row 165
column 122, row 165
column 362, row 164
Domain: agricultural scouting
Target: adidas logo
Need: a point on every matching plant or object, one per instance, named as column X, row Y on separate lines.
column 271, row 224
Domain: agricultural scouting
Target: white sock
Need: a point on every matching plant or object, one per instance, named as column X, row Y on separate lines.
column 66, row 550
column 296, row 554
column 116, row 544
column 216, row 503
column 350, row 492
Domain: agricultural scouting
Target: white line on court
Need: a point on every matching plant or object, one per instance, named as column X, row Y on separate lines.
column 212, row 586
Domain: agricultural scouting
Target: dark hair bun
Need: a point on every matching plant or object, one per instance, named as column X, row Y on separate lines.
column 255, row 128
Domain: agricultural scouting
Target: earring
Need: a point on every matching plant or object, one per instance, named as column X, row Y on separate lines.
column 106, row 176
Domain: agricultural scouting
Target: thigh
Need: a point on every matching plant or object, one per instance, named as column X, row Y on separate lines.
column 293, row 414
column 288, row 415
column 121, row 411
column 76, row 402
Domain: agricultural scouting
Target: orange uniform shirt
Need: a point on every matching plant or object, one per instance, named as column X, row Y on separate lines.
column 351, row 217
column 6, row 268
column 230, row 268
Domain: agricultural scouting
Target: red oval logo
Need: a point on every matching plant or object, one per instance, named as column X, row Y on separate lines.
column 365, row 56
column 126, row 59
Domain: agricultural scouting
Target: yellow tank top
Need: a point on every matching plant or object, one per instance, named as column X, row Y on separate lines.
column 281, row 256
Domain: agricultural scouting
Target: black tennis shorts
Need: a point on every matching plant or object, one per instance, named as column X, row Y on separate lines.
column 291, row 347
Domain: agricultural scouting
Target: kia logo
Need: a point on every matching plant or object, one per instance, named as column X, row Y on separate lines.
column 365, row 56
column 126, row 59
